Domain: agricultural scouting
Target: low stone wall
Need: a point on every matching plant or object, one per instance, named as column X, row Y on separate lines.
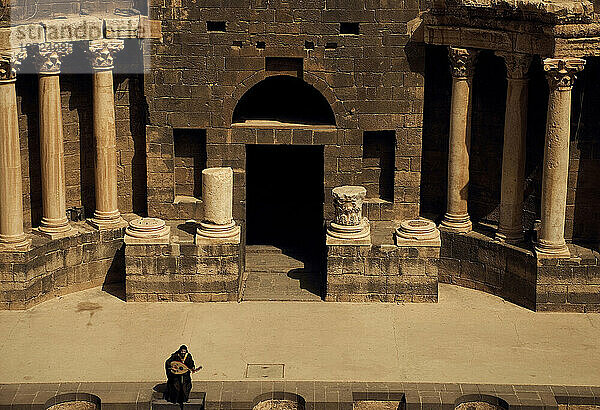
column 182, row 272
column 475, row 261
column 382, row 273
column 569, row 285
column 52, row 268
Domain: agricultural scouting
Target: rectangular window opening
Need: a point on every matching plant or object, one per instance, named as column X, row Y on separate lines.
column 330, row 46
column 309, row 45
column 378, row 164
column 216, row 26
column 350, row 28
column 190, row 160
column 261, row 45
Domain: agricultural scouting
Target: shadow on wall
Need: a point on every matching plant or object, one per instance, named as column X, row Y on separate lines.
column 27, row 102
column 436, row 121
column 487, row 137
column 114, row 283
column 536, row 131
column 584, row 192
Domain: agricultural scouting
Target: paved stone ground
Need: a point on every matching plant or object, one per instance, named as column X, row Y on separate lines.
column 281, row 275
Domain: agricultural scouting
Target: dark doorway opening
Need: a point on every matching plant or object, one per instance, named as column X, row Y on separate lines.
column 284, row 218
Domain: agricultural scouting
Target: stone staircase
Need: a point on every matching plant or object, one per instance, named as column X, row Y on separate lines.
column 273, row 273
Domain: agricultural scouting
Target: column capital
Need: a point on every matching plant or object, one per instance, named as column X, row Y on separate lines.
column 10, row 60
column 561, row 73
column 517, row 65
column 102, row 53
column 462, row 61
column 50, row 55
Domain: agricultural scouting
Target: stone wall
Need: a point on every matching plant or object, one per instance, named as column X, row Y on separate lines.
column 372, row 81
column 76, row 95
column 475, row 261
column 182, row 272
column 382, row 273
column 52, row 268
column 569, row 285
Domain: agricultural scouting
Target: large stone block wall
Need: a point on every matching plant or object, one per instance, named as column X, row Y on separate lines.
column 569, row 285
column 182, row 273
column 382, row 273
column 57, row 267
column 76, row 96
column 475, row 261
column 373, row 81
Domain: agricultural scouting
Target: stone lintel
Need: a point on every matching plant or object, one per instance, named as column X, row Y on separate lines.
column 122, row 27
column 73, row 29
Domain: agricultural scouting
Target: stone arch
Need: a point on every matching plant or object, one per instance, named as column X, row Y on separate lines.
column 316, row 82
column 480, row 402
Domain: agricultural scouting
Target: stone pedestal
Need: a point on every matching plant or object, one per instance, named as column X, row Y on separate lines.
column 11, row 190
column 417, row 232
column 107, row 214
column 560, row 74
column 217, row 195
column 510, row 228
column 54, row 220
column 348, row 227
column 457, row 218
column 147, row 231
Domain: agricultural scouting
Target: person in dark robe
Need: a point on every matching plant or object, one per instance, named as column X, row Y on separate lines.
column 179, row 386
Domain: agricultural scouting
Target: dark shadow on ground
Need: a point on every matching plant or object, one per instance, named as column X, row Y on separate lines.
column 188, row 227
column 309, row 280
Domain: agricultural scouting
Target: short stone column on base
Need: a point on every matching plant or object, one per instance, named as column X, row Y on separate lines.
column 11, row 189
column 147, row 231
column 560, row 74
column 456, row 218
column 348, row 227
column 417, row 232
column 217, row 225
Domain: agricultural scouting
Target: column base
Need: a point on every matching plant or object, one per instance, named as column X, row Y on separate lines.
column 54, row 228
column 349, row 234
column 545, row 249
column 147, row 231
column 208, row 234
column 456, row 223
column 14, row 242
column 102, row 222
column 509, row 237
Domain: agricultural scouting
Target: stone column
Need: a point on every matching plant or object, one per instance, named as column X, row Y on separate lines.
column 107, row 214
column 561, row 74
column 217, row 196
column 11, row 188
column 510, row 228
column 348, row 226
column 54, row 219
column 457, row 218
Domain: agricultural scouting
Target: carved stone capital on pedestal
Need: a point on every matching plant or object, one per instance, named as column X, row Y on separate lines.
column 10, row 60
column 562, row 72
column 517, row 65
column 50, row 55
column 102, row 53
column 462, row 62
column 348, row 224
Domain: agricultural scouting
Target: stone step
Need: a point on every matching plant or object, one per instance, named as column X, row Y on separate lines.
column 303, row 286
column 262, row 249
column 193, row 404
column 272, row 262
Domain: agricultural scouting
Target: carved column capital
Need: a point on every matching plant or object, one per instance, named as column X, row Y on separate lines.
column 102, row 53
column 562, row 72
column 50, row 55
column 517, row 65
column 462, row 62
column 348, row 223
column 10, row 60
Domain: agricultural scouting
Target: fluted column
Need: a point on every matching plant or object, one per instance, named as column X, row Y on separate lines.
column 561, row 75
column 510, row 227
column 106, row 214
column 54, row 218
column 457, row 218
column 11, row 188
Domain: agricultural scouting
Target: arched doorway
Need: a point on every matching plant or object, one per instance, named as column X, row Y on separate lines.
column 284, row 188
